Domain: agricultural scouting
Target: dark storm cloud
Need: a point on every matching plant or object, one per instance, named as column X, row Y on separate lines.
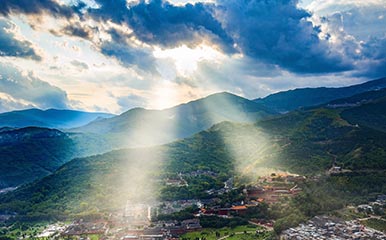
column 274, row 32
column 13, row 47
column 35, row 7
column 277, row 32
column 162, row 23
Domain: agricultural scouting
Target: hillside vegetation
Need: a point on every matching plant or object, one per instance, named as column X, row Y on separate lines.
column 306, row 142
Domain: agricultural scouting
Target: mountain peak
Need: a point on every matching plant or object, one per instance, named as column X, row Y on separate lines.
column 179, row 121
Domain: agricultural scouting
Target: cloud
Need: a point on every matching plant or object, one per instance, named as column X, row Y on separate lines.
column 130, row 101
column 129, row 56
column 278, row 32
column 12, row 45
column 262, row 39
column 274, row 32
column 325, row 7
column 8, row 103
column 374, row 63
column 26, row 87
column 162, row 23
column 363, row 22
column 359, row 35
column 35, row 7
column 79, row 65
column 78, row 30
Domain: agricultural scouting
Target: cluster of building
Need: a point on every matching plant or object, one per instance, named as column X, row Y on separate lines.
column 323, row 227
column 154, row 231
column 336, row 170
column 228, row 186
column 122, row 227
column 271, row 189
column 372, row 207
column 223, row 212
column 80, row 227
column 52, row 230
column 199, row 173
column 169, row 207
column 179, row 179
column 282, row 177
column 271, row 194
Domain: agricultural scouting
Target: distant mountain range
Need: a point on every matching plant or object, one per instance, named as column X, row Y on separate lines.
column 31, row 153
column 51, row 118
column 141, row 127
column 185, row 119
column 306, row 97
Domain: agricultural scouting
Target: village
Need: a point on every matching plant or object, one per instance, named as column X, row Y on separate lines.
column 139, row 220
column 323, row 227
column 329, row 227
column 142, row 221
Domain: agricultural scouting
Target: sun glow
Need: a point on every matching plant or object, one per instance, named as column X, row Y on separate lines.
column 186, row 59
column 165, row 95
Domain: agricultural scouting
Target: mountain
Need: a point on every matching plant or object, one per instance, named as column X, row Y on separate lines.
column 307, row 97
column 105, row 182
column 366, row 109
column 30, row 153
column 358, row 99
column 51, row 118
column 307, row 142
column 371, row 115
column 316, row 139
column 141, row 127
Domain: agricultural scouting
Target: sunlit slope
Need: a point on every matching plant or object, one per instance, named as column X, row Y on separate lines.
column 105, row 182
column 306, row 142
column 162, row 126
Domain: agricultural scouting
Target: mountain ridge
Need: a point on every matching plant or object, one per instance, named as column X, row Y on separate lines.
column 49, row 118
column 179, row 121
column 289, row 100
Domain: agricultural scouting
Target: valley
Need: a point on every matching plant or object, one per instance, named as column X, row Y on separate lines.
column 243, row 172
column 192, row 120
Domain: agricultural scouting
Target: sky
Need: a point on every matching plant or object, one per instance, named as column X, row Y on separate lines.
column 110, row 56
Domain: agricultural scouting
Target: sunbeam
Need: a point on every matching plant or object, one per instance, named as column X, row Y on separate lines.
column 249, row 147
